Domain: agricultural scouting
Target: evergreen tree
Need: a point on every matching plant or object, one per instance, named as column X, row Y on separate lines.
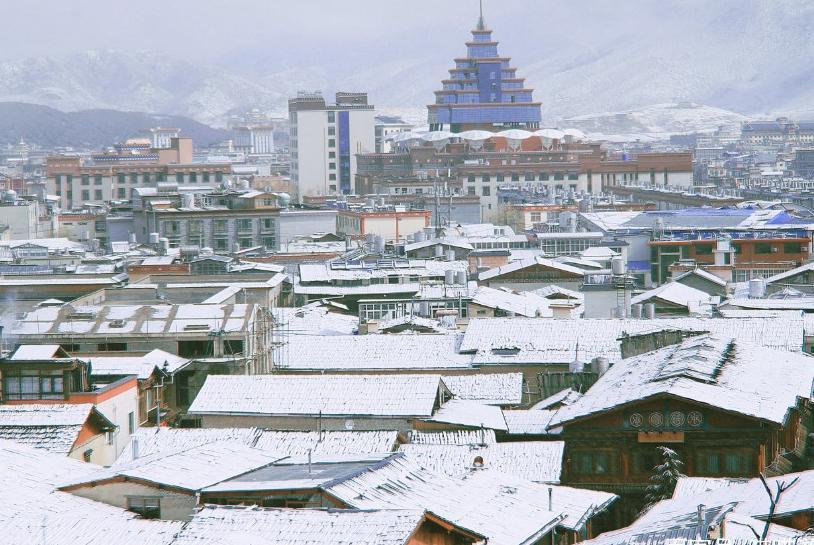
column 663, row 481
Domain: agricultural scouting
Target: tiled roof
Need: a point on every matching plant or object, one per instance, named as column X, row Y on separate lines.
column 221, row 525
column 330, row 395
column 539, row 461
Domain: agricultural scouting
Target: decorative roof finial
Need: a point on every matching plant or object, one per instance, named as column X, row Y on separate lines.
column 481, row 22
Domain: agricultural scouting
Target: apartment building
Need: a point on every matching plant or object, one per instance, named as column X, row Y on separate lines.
column 325, row 138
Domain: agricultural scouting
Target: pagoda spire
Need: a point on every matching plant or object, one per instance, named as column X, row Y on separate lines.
column 481, row 22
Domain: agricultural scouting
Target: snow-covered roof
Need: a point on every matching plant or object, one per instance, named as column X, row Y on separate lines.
column 191, row 470
column 488, row 388
column 165, row 441
column 374, row 352
column 792, row 303
column 742, row 506
column 531, row 262
column 505, row 509
column 683, row 525
column 471, row 414
column 51, row 427
column 330, row 395
column 528, row 422
column 324, row 272
column 140, row 366
column 538, row 461
column 530, row 340
column 314, row 319
column 232, row 525
column 30, row 508
column 448, row 241
column 750, row 495
column 413, row 322
column 38, row 352
column 525, row 303
column 131, row 320
column 676, row 293
column 790, row 273
column 706, row 275
column 717, row 372
column 453, row 437
column 553, row 290
column 555, row 401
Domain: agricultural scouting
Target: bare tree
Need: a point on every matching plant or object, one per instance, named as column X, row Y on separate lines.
column 780, row 488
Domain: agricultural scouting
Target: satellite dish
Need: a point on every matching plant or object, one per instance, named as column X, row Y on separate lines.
column 349, row 425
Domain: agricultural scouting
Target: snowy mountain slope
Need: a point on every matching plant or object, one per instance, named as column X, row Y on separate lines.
column 746, row 56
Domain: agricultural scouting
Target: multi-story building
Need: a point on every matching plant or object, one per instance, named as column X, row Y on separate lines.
column 392, row 223
column 225, row 221
column 161, row 137
column 254, row 139
column 114, row 176
column 483, row 91
column 777, row 133
column 387, row 126
column 325, row 138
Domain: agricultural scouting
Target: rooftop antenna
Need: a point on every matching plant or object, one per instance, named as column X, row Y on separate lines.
column 481, row 22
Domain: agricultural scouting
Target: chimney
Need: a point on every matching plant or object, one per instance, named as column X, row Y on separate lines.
column 135, row 445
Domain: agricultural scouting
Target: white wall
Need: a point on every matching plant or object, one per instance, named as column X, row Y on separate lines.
column 174, row 506
column 312, row 153
column 117, row 410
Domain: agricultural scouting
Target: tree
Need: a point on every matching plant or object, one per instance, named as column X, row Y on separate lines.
column 663, row 481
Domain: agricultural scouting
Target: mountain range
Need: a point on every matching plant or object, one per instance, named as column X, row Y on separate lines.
column 748, row 57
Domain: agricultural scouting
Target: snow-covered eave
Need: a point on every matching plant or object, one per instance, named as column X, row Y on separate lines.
column 556, row 423
column 308, row 415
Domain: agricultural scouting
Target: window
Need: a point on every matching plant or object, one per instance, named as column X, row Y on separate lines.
column 332, row 142
column 470, row 190
column 97, row 194
column 85, row 179
column 232, row 347
column 120, row 176
column 331, row 155
column 87, row 455
column 331, row 117
column 193, row 177
column 179, row 177
column 112, row 347
column 147, row 507
column 529, row 177
column 725, row 462
column 97, row 180
column 558, row 176
column 536, row 217
column 332, row 177
column 763, row 248
column 146, row 178
column 486, row 191
column 792, row 248
column 331, row 166
column 471, row 178
column 131, row 423
column 703, row 249
column 331, row 131
column 122, row 192
column 33, row 384
column 133, row 178
column 499, row 177
column 86, row 195
column 573, row 176
column 515, row 177
column 594, row 463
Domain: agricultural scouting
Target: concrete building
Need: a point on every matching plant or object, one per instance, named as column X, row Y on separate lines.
column 254, row 139
column 114, row 176
column 161, row 137
column 391, row 223
column 387, row 126
column 225, row 221
column 24, row 219
column 325, row 138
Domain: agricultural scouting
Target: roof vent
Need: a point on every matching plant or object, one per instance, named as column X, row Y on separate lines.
column 117, row 324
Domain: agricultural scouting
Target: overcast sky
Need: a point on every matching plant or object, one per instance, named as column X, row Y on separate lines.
column 219, row 30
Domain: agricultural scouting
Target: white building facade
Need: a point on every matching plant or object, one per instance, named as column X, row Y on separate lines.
column 324, row 141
